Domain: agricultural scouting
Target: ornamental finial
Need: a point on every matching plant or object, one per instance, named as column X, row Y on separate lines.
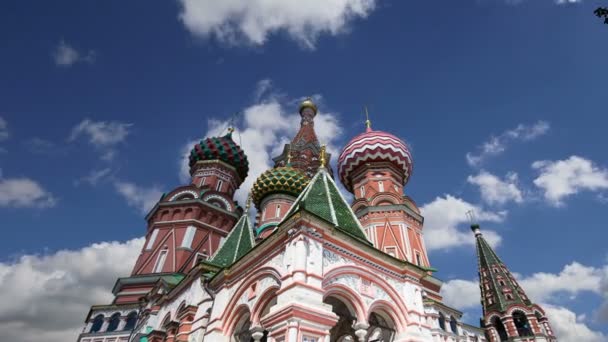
column 368, row 123
column 474, row 225
column 248, row 204
column 322, row 156
column 289, row 156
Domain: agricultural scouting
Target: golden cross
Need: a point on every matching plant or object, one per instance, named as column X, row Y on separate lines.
column 322, row 156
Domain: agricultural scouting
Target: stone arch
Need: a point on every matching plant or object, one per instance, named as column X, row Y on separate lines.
column 130, row 321
column 260, row 274
column 97, row 323
column 496, row 323
column 166, row 320
column 265, row 299
column 361, row 272
column 350, row 299
column 114, row 322
column 388, row 311
column 236, row 320
column 522, row 323
column 176, row 214
column 388, row 198
column 521, row 308
column 189, row 214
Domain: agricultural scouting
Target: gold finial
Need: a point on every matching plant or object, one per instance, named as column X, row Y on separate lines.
column 289, row 155
column 368, row 123
column 248, row 204
column 308, row 103
column 322, row 156
column 230, row 129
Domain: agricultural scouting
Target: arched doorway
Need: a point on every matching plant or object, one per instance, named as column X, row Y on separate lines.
column 243, row 331
column 343, row 330
column 500, row 329
column 522, row 324
column 381, row 328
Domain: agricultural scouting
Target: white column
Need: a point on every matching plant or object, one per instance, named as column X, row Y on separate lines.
column 292, row 332
column 300, row 259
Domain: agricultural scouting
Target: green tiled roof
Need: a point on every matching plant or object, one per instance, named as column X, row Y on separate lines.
column 284, row 179
column 322, row 198
column 492, row 271
column 238, row 242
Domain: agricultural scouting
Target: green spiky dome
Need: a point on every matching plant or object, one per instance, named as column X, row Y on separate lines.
column 221, row 148
column 286, row 180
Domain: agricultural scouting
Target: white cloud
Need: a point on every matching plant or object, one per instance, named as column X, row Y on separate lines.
column 65, row 55
column 570, row 328
column 46, row 297
column 94, row 177
column 141, row 198
column 266, row 126
column 562, row 178
column 103, row 135
column 3, row 129
column 444, row 216
column 495, row 190
column 545, row 289
column 252, row 22
column 24, row 193
column 498, row 144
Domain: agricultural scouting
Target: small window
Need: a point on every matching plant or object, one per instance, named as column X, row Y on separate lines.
column 219, row 185
column 418, row 259
column 509, row 296
column 496, row 270
column 381, row 186
column 152, row 239
column 454, row 325
column 201, row 182
column 160, row 262
column 97, row 323
column 131, row 320
column 114, row 320
column 189, row 237
column 502, row 283
column 278, row 212
column 441, row 321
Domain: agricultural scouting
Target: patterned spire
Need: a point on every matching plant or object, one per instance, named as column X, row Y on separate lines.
column 322, row 198
column 238, row 242
column 499, row 289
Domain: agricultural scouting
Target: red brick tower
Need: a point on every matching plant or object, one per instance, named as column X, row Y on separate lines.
column 375, row 166
column 508, row 314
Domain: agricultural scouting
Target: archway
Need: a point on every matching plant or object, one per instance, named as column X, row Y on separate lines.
column 540, row 319
column 500, row 329
column 381, row 328
column 522, row 324
column 441, row 321
column 114, row 321
column 97, row 323
column 343, row 330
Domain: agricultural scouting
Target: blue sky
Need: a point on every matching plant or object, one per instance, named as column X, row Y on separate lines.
column 99, row 100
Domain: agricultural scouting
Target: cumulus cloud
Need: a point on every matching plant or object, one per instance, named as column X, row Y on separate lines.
column 545, row 289
column 445, row 216
column 498, row 144
column 139, row 197
column 562, row 178
column 495, row 190
column 46, row 297
column 65, row 55
column 24, row 193
column 252, row 22
column 267, row 124
column 103, row 135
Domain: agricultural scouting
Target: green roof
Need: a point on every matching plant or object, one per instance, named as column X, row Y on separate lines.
column 323, row 199
column 492, row 271
column 238, row 242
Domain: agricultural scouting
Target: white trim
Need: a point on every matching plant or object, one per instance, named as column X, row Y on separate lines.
column 188, row 237
column 218, row 186
column 201, row 182
column 160, row 261
column 380, row 186
column 278, row 211
column 152, row 240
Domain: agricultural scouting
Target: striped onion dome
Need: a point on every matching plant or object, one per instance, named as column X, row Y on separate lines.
column 285, row 180
column 374, row 146
column 221, row 148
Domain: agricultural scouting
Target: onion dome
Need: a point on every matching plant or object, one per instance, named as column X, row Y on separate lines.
column 221, row 148
column 285, row 179
column 374, row 146
column 308, row 104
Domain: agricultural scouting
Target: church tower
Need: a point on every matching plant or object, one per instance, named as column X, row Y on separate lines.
column 188, row 223
column 375, row 166
column 508, row 314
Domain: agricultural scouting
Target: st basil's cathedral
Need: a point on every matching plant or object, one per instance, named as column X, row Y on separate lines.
column 310, row 267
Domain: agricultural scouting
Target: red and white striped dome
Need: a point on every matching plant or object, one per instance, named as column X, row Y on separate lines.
column 374, row 146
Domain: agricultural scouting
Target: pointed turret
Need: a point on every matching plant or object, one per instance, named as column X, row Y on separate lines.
column 237, row 243
column 322, row 198
column 507, row 310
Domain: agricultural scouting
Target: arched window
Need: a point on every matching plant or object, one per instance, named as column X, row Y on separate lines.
column 539, row 319
column 454, row 325
column 131, row 320
column 441, row 321
column 522, row 324
column 114, row 320
column 242, row 332
column 380, row 329
column 97, row 323
column 500, row 329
